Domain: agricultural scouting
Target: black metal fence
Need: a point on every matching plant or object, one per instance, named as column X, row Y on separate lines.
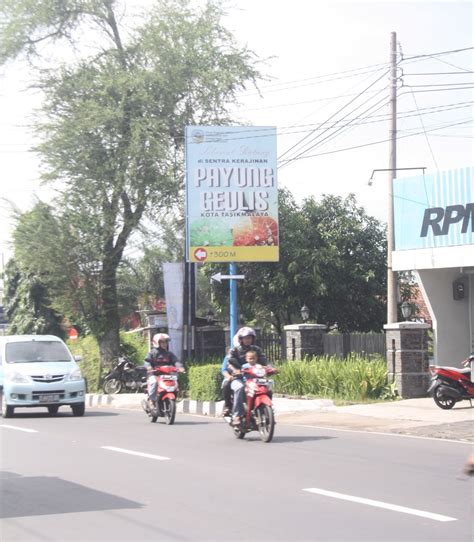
column 364, row 344
column 339, row 345
column 271, row 344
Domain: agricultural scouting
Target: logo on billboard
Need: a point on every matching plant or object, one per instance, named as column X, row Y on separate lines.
column 197, row 136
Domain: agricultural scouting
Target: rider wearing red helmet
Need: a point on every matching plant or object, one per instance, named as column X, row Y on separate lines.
column 159, row 355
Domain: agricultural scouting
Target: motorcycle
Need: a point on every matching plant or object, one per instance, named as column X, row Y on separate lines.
column 258, row 407
column 166, row 394
column 125, row 376
column 450, row 384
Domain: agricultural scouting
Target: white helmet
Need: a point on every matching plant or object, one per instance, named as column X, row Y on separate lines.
column 159, row 337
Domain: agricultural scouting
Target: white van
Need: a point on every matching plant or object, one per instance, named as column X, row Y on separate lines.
column 39, row 371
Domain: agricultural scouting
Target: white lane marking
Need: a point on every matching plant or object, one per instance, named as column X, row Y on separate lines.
column 19, row 428
column 131, row 452
column 380, row 504
column 402, row 435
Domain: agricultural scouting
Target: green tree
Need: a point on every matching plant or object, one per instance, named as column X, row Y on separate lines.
column 28, row 307
column 332, row 258
column 112, row 126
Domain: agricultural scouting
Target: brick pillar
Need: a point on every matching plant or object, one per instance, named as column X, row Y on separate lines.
column 210, row 342
column 304, row 340
column 407, row 357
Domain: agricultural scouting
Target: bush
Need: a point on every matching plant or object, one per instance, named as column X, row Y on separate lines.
column 133, row 346
column 352, row 379
column 205, row 382
column 88, row 349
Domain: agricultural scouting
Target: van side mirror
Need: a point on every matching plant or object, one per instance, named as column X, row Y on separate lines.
column 78, row 358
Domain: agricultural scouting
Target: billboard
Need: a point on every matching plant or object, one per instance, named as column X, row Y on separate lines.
column 434, row 210
column 231, row 194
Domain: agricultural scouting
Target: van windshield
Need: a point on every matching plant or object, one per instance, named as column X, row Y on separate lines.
column 36, row 351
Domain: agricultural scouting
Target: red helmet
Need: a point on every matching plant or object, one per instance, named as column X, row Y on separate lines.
column 159, row 337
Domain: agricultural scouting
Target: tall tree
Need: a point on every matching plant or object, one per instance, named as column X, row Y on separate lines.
column 112, row 125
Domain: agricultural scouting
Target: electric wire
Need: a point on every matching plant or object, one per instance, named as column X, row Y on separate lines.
column 426, row 135
column 383, row 140
column 343, row 128
column 333, row 115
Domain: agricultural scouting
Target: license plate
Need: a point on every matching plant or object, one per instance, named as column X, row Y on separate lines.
column 48, row 398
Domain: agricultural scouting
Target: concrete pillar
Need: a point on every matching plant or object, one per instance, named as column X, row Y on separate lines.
column 210, row 342
column 304, row 340
column 407, row 357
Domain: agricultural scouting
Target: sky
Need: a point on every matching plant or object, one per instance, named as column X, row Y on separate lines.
column 326, row 89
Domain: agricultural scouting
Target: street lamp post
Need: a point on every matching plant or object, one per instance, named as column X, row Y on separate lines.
column 406, row 310
column 210, row 317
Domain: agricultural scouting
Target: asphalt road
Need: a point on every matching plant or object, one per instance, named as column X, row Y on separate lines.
column 113, row 475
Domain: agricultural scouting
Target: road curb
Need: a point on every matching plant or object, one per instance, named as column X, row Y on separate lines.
column 205, row 408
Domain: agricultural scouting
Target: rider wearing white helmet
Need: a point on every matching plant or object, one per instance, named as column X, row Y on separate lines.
column 231, row 367
column 159, row 355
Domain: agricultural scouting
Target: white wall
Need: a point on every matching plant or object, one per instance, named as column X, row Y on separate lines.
column 452, row 324
column 471, row 310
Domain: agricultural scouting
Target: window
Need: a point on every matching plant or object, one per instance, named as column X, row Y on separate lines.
column 36, row 351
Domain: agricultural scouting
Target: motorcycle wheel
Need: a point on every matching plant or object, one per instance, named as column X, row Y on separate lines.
column 266, row 422
column 169, row 411
column 112, row 386
column 443, row 401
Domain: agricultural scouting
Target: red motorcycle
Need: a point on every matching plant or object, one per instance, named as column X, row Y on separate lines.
column 450, row 384
column 259, row 415
column 166, row 394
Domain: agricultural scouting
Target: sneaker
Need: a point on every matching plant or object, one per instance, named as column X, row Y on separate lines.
column 226, row 412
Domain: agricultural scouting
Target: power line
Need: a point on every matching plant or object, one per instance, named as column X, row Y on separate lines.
column 437, row 73
column 344, row 127
column 426, row 135
column 329, row 76
column 431, row 55
column 382, row 140
column 333, row 115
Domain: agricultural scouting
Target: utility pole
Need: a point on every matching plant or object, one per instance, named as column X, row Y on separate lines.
column 391, row 276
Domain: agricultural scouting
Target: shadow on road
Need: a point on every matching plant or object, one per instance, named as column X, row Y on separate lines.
column 66, row 413
column 309, row 438
column 23, row 496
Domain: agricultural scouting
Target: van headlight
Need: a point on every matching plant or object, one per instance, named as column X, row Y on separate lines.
column 75, row 375
column 18, row 378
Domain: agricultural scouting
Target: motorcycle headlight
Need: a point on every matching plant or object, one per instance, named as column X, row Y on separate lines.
column 18, row 378
column 75, row 375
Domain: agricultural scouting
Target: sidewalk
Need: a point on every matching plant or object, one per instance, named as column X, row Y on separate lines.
column 420, row 417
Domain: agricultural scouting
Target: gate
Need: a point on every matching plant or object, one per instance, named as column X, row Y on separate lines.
column 271, row 344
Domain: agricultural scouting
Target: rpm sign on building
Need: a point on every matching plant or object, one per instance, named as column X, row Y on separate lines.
column 231, row 194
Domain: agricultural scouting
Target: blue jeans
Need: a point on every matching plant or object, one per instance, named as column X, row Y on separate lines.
column 152, row 386
column 237, row 386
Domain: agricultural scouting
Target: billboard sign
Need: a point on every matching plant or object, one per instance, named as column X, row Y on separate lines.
column 231, row 194
column 433, row 211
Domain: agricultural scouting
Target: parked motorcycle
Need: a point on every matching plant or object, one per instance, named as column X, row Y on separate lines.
column 451, row 384
column 167, row 392
column 126, row 377
column 259, row 415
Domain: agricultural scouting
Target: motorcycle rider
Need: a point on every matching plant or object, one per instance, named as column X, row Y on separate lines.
column 231, row 367
column 158, row 356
